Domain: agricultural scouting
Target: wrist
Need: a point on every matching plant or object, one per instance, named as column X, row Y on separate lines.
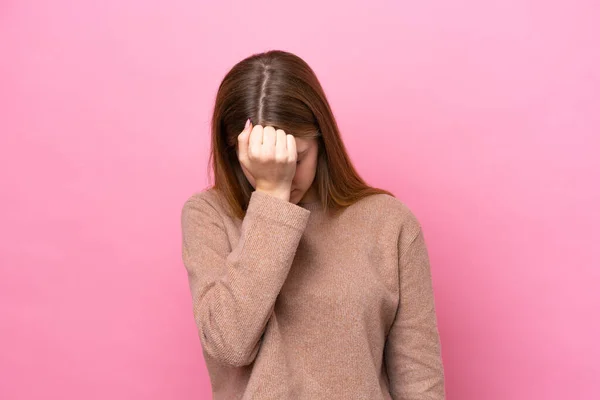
column 282, row 193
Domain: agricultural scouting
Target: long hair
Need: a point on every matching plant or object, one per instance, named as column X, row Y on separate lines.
column 279, row 89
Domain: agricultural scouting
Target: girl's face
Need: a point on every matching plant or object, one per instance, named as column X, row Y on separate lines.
column 306, row 168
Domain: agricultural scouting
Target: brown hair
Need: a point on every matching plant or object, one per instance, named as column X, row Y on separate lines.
column 279, row 89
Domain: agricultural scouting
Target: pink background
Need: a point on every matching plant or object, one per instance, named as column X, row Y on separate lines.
column 482, row 116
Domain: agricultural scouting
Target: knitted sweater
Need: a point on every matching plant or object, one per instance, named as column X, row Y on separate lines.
column 295, row 303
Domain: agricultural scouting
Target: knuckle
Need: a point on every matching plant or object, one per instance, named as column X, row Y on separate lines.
column 266, row 156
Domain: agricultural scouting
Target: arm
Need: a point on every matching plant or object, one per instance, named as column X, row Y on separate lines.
column 234, row 291
column 413, row 350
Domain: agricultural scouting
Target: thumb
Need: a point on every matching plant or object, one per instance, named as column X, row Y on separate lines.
column 243, row 140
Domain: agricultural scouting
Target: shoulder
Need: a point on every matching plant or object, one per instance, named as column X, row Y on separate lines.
column 206, row 202
column 388, row 210
column 205, row 196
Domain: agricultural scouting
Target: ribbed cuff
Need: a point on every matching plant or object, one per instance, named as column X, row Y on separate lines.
column 278, row 210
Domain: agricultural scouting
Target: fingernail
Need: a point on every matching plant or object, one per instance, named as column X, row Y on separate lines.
column 247, row 123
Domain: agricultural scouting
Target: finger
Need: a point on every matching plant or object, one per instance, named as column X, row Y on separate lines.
column 269, row 137
column 256, row 137
column 291, row 148
column 281, row 144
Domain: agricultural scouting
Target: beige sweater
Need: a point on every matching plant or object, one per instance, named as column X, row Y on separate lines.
column 294, row 303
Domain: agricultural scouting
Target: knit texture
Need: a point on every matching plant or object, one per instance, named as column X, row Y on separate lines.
column 295, row 303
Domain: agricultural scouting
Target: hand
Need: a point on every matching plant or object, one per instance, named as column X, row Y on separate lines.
column 270, row 156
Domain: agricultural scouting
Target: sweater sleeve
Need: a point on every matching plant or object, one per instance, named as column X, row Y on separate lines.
column 413, row 349
column 234, row 290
